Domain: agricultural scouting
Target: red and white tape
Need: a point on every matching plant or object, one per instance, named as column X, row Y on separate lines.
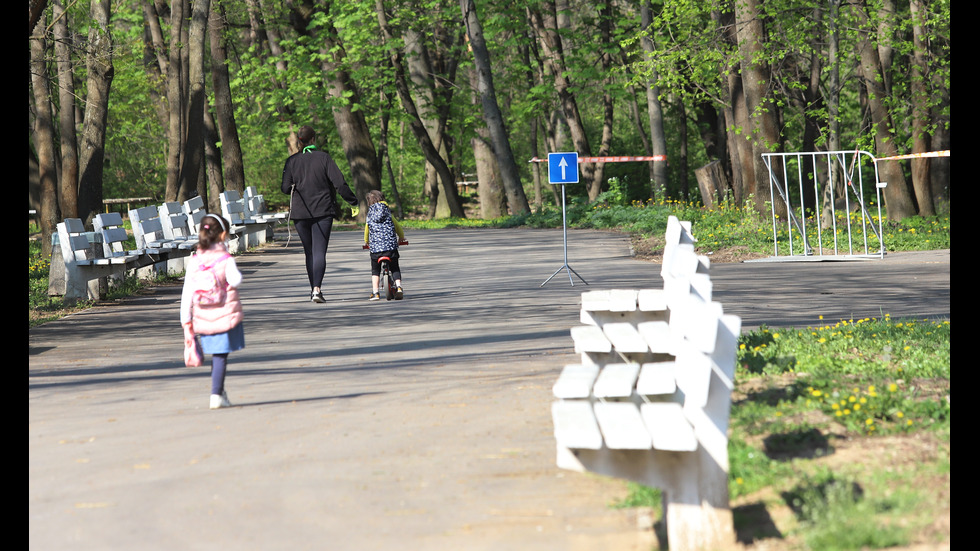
column 917, row 156
column 609, row 159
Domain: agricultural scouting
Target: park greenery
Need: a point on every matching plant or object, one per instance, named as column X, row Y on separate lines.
column 844, row 426
column 171, row 99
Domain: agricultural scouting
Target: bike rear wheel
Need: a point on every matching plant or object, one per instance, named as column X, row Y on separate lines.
column 387, row 289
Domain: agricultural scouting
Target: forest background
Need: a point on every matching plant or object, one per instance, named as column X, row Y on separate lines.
column 149, row 98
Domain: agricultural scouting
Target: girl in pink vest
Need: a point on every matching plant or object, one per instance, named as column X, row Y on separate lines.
column 215, row 319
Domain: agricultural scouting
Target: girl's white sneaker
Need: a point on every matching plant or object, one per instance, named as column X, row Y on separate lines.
column 220, row 401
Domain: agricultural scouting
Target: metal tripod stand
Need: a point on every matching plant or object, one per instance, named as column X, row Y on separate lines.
column 564, row 234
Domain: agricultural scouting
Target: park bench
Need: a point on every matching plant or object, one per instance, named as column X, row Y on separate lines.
column 196, row 210
column 88, row 259
column 257, row 209
column 248, row 229
column 649, row 399
column 164, row 237
column 176, row 226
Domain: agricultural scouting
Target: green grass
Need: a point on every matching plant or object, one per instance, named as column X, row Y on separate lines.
column 877, row 387
column 721, row 227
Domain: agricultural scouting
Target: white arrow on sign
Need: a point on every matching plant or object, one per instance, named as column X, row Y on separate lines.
column 563, row 164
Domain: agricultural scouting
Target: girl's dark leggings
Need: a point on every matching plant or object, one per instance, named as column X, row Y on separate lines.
column 219, row 366
column 314, row 233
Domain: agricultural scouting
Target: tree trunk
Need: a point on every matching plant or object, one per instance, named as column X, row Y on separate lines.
column 605, row 61
column 545, row 25
column 422, row 73
column 734, row 115
column 712, row 183
column 215, row 183
column 193, row 156
column 510, row 175
column 175, row 102
column 352, row 129
column 658, row 175
column 100, row 73
column 232, row 168
column 415, row 120
column 921, row 182
column 763, row 121
column 385, row 158
column 897, row 198
column 493, row 200
column 68, row 189
column 44, row 143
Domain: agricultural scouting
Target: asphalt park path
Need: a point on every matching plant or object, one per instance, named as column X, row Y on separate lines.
column 416, row 425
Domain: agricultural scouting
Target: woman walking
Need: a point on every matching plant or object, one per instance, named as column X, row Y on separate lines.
column 312, row 179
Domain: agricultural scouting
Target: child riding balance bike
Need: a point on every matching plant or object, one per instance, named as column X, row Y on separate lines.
column 382, row 236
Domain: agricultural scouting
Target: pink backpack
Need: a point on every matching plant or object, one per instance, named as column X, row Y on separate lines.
column 207, row 287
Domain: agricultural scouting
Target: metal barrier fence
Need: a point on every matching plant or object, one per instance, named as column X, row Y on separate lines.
column 826, row 216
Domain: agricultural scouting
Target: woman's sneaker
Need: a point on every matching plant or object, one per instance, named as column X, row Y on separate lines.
column 317, row 297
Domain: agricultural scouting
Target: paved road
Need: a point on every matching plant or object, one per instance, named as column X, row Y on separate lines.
column 415, row 425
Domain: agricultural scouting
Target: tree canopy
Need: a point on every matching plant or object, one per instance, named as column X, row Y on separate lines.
column 179, row 98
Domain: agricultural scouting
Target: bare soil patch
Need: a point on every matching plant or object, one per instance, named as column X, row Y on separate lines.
column 651, row 249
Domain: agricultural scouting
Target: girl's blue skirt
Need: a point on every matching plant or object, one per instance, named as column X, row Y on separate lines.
column 223, row 343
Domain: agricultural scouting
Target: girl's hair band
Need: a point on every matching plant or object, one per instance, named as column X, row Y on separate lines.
column 220, row 222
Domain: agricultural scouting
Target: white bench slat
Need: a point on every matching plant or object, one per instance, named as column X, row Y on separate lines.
column 656, row 379
column 657, row 335
column 616, row 381
column 575, row 381
column 195, row 211
column 625, row 338
column 612, row 300
column 575, row 425
column 692, row 372
column 668, row 428
column 589, row 338
column 651, row 300
column 622, row 426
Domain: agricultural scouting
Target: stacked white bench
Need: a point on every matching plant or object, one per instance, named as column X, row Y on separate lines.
column 251, row 223
column 89, row 259
column 649, row 401
column 165, row 236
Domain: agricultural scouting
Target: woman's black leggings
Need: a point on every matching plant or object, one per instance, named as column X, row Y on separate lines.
column 314, row 233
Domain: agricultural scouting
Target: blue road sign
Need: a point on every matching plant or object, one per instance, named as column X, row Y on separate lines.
column 563, row 168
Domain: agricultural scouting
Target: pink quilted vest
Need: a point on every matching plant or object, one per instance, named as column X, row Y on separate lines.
column 216, row 319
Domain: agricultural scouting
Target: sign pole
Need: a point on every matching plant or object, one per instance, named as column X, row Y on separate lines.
column 563, row 169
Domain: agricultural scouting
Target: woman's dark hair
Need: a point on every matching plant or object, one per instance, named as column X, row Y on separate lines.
column 374, row 196
column 306, row 135
column 212, row 226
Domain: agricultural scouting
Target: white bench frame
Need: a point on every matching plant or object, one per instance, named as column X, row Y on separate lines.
column 650, row 400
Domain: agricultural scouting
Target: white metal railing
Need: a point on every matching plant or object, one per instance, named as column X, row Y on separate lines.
column 828, row 219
